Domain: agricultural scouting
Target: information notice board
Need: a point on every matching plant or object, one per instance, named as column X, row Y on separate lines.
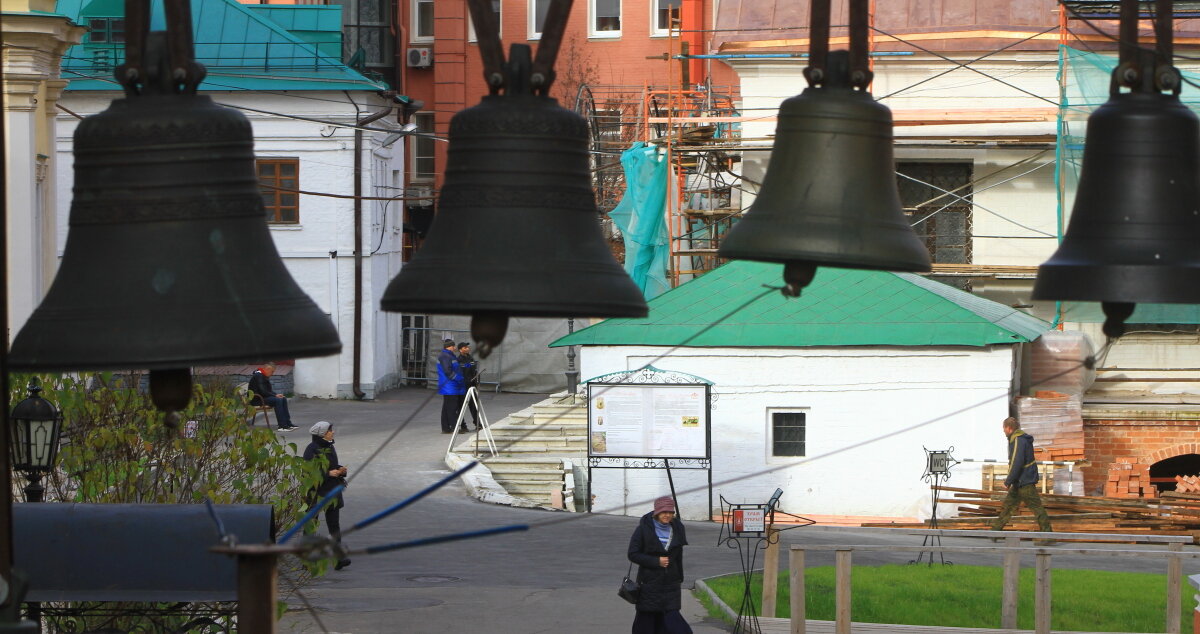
column 648, row 421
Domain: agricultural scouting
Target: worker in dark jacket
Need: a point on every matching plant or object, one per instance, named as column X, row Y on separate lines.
column 260, row 386
column 450, row 385
column 657, row 549
column 1022, row 478
column 470, row 374
column 335, row 474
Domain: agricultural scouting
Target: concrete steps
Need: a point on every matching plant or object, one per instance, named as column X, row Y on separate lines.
column 542, row 452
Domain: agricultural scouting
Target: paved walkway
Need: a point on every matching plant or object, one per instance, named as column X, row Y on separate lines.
column 561, row 576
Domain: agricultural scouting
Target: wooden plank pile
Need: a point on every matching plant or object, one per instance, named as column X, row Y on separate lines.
column 1129, row 479
column 1172, row 514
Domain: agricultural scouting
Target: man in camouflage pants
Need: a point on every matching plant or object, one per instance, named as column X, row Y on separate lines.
column 1022, row 478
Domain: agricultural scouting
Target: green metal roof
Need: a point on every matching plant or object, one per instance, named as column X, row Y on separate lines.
column 729, row 307
column 243, row 48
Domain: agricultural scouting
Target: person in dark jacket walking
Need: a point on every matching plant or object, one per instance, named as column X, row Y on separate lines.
column 470, row 374
column 260, row 386
column 657, row 548
column 450, row 385
column 1022, row 478
column 335, row 474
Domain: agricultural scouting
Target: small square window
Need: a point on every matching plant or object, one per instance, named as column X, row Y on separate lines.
column 666, row 16
column 606, row 18
column 787, row 433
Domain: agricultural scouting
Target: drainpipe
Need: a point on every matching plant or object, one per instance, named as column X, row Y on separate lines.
column 356, row 387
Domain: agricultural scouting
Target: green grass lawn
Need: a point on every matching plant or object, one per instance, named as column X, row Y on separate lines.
column 969, row 596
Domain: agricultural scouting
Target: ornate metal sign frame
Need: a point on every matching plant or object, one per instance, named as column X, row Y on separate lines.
column 650, row 376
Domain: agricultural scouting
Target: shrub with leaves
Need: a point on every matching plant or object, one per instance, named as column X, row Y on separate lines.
column 116, row 448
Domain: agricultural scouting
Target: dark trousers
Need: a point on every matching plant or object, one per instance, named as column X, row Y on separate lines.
column 1029, row 495
column 451, row 403
column 474, row 411
column 660, row 623
column 333, row 520
column 282, row 417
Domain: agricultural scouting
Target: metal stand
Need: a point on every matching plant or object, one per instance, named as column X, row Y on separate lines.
column 748, row 528
column 485, row 430
column 937, row 471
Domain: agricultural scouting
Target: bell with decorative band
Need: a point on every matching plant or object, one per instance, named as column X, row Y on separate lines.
column 517, row 231
column 168, row 261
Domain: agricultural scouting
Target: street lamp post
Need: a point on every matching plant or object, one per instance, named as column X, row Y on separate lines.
column 36, row 426
column 572, row 373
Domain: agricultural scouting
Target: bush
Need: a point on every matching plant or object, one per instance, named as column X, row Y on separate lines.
column 116, row 448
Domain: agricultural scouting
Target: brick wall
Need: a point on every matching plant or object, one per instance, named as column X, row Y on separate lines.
column 1149, row 441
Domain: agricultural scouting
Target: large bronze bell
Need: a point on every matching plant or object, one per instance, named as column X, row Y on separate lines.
column 1134, row 233
column 517, row 231
column 168, row 261
column 829, row 197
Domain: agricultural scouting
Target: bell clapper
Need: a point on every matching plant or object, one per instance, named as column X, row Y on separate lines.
column 797, row 275
column 171, row 391
column 1115, row 314
column 488, row 329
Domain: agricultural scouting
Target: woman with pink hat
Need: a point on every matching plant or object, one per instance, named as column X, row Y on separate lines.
column 657, row 548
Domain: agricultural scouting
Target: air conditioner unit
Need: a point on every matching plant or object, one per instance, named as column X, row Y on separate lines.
column 420, row 57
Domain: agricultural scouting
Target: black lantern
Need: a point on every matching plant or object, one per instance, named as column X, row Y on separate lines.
column 36, row 425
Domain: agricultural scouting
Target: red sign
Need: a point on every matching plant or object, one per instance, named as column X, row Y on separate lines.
column 749, row 520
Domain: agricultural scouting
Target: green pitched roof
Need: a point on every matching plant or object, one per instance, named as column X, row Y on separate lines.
column 729, row 307
column 242, row 48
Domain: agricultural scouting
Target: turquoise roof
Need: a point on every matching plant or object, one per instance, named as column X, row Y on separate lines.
column 242, row 48
column 729, row 307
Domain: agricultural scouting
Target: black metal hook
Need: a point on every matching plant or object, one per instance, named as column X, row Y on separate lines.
column 143, row 70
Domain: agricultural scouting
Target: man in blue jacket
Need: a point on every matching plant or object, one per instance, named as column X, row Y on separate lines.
column 450, row 385
column 1022, row 478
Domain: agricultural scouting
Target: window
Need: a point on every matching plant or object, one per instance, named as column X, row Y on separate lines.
column 471, row 23
column 937, row 200
column 278, row 175
column 787, row 433
column 106, row 30
column 606, row 18
column 537, row 17
column 423, row 168
column 666, row 15
column 422, row 21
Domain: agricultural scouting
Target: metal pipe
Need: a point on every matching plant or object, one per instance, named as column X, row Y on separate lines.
column 356, row 385
column 778, row 55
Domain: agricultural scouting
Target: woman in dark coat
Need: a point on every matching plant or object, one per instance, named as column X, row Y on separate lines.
column 657, row 548
column 335, row 474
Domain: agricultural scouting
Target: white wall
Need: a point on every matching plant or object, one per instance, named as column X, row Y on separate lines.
column 319, row 251
column 869, row 412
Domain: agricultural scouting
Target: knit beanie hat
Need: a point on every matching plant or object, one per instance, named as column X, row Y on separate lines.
column 320, row 428
column 664, row 504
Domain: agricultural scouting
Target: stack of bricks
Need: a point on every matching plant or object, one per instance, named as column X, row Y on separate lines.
column 1055, row 420
column 1187, row 484
column 1128, row 479
column 1054, row 453
column 1056, row 362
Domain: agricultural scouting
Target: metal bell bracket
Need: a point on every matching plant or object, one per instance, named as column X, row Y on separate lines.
column 1142, row 70
column 817, row 71
column 144, row 70
column 513, row 76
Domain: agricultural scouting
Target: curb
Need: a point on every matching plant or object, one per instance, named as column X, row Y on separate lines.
column 729, row 612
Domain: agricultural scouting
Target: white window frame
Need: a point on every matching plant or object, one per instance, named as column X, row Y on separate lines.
column 499, row 20
column 770, row 432
column 655, row 31
column 415, row 22
column 592, row 31
column 531, row 11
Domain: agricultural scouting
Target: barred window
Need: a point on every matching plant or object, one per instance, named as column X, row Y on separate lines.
column 787, row 433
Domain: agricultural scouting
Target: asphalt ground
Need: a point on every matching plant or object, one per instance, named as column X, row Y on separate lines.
column 559, row 576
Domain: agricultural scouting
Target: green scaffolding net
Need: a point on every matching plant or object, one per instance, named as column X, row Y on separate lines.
column 1085, row 87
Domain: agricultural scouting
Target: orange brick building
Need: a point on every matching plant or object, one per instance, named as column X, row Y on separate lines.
column 607, row 42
